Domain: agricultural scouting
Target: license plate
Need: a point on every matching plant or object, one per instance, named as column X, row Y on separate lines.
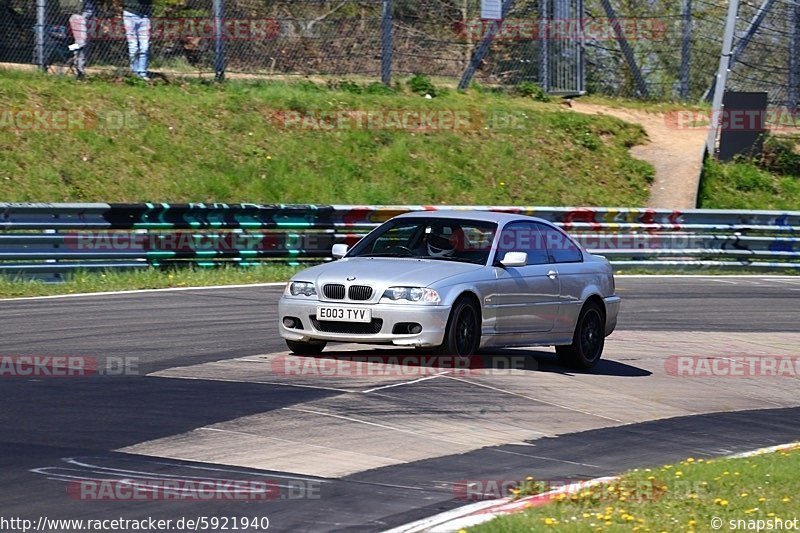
column 344, row 314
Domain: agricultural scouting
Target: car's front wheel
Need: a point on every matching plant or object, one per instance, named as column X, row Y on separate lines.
column 463, row 333
column 306, row 348
column 587, row 341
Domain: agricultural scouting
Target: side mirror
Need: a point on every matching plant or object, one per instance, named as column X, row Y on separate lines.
column 339, row 250
column 515, row 259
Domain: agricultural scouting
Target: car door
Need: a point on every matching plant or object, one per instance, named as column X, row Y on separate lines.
column 526, row 297
column 567, row 260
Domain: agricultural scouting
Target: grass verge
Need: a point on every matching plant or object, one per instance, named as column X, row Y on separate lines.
column 86, row 282
column 685, row 496
column 193, row 141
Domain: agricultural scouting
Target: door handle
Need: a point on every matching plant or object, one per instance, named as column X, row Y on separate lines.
column 552, row 274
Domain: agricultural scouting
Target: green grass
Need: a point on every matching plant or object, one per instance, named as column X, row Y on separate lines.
column 191, row 141
column 744, row 185
column 121, row 280
column 681, row 497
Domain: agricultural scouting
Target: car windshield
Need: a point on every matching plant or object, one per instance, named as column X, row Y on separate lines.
column 442, row 239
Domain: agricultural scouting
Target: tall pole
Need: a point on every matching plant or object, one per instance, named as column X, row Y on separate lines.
column 721, row 80
column 41, row 21
column 794, row 56
column 686, row 47
column 483, row 48
column 386, row 43
column 544, row 45
column 219, row 39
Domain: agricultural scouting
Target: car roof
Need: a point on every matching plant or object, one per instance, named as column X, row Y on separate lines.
column 472, row 214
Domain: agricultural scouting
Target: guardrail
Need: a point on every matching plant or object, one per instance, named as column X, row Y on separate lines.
column 51, row 240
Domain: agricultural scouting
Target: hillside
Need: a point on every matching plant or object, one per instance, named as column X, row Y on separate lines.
column 271, row 142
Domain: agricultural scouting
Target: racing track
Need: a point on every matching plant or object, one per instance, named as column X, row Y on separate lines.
column 382, row 449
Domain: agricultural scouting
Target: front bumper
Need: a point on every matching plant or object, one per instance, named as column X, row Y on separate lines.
column 612, row 310
column 432, row 318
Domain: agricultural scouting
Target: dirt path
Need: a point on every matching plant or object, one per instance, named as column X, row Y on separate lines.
column 677, row 155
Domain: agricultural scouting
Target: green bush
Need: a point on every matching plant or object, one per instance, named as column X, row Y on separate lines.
column 780, row 157
column 529, row 89
column 421, row 84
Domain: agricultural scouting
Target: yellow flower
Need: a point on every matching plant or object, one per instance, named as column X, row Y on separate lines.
column 743, row 494
column 762, row 499
column 550, row 521
column 691, row 523
column 786, row 499
column 690, row 460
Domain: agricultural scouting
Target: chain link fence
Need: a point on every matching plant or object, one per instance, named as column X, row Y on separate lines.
column 661, row 49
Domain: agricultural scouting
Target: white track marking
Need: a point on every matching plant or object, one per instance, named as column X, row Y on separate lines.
column 404, row 383
column 157, row 375
column 383, row 426
column 245, row 434
column 281, row 283
column 536, row 400
column 724, row 281
column 143, row 291
column 544, row 458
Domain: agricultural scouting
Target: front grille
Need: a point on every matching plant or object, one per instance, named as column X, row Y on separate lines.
column 359, row 292
column 349, row 328
column 334, row 291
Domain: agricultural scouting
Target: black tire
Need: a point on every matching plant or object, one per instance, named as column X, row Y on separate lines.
column 463, row 333
column 306, row 348
column 587, row 341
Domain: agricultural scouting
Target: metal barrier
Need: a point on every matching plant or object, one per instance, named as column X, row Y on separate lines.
column 51, row 240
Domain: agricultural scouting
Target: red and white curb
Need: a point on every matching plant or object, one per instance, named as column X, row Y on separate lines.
column 480, row 512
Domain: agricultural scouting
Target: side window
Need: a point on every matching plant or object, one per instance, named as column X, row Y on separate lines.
column 523, row 237
column 560, row 246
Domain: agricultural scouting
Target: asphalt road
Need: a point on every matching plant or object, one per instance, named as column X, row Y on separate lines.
column 59, row 429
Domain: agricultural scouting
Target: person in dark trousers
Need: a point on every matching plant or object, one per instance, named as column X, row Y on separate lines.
column 136, row 17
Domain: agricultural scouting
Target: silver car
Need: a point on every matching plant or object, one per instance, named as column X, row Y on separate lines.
column 456, row 282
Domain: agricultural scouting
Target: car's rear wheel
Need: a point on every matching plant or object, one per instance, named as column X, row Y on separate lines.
column 587, row 341
column 306, row 348
column 463, row 332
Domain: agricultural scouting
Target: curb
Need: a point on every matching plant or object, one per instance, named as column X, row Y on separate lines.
column 478, row 513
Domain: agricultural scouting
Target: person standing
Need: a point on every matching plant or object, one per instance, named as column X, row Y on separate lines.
column 83, row 28
column 136, row 17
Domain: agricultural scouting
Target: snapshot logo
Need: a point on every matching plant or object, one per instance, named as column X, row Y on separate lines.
column 67, row 366
column 192, row 490
column 733, row 366
column 533, row 29
column 559, row 489
column 65, row 120
column 747, row 120
column 403, row 366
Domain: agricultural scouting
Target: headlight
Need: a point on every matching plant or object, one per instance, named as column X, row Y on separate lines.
column 306, row 288
column 412, row 294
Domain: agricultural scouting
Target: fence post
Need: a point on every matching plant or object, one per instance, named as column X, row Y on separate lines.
column 544, row 45
column 686, row 47
column 218, row 8
column 794, row 56
column 721, row 80
column 627, row 51
column 755, row 24
column 41, row 22
column 387, row 43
